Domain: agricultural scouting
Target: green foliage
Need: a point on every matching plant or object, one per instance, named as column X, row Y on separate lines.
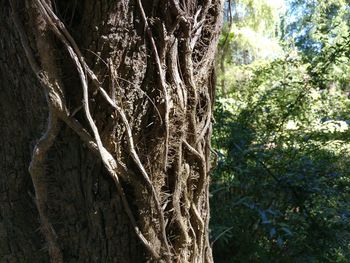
column 281, row 191
column 313, row 25
column 250, row 34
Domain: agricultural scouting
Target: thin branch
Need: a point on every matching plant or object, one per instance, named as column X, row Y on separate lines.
column 188, row 76
column 202, row 171
column 136, row 159
column 46, row 141
column 162, row 83
column 107, row 158
column 85, row 136
column 179, row 181
column 141, row 91
column 208, row 120
column 197, row 194
column 220, row 235
column 200, row 227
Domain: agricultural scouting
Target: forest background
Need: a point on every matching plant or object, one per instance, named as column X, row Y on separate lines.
column 280, row 192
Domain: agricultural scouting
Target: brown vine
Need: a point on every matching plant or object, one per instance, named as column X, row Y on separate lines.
column 180, row 200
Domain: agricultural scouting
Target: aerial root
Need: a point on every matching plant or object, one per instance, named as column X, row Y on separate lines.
column 37, row 173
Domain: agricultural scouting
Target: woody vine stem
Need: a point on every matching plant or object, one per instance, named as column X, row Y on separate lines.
column 185, row 108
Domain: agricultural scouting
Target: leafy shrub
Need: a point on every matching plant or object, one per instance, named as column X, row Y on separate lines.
column 281, row 189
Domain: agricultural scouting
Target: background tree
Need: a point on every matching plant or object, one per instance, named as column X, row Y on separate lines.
column 120, row 173
column 314, row 24
column 250, row 33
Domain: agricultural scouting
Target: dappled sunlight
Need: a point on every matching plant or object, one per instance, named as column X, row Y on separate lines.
column 261, row 47
column 280, row 192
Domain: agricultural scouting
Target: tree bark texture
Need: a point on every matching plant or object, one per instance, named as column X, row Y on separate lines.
column 106, row 113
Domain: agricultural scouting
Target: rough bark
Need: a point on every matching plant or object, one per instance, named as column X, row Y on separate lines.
column 120, row 172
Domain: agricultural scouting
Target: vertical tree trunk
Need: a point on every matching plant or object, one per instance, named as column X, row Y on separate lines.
column 120, row 173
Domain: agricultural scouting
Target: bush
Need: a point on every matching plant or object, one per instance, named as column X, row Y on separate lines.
column 280, row 192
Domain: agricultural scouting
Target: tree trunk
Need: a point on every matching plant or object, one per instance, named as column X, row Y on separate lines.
column 119, row 170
